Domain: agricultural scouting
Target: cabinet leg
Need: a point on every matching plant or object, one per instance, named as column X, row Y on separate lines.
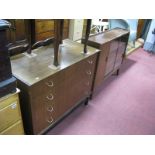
column 117, row 73
column 91, row 96
column 86, row 101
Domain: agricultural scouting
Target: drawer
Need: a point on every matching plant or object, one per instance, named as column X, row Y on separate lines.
column 44, row 35
column 44, row 26
column 78, row 91
column 79, row 22
column 48, row 84
column 47, row 105
column 91, row 61
column 9, row 112
column 15, row 129
column 6, row 101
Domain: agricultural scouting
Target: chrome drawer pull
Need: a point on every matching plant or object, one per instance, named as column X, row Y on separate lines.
column 90, row 61
column 50, row 109
column 88, row 72
column 50, row 84
column 50, row 97
column 51, row 120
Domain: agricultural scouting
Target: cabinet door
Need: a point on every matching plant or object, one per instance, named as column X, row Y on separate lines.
column 121, row 51
column 112, row 56
column 101, row 66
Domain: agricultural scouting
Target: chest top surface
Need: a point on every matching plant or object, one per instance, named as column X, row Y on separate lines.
column 107, row 36
column 34, row 69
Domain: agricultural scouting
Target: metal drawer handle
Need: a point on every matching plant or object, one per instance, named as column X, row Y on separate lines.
column 50, row 97
column 50, row 109
column 88, row 72
column 90, row 61
column 50, row 84
column 51, row 120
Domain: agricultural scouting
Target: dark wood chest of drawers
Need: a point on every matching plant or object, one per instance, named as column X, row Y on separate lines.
column 47, row 95
column 113, row 45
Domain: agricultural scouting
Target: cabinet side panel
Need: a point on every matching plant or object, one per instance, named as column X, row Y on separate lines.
column 25, row 107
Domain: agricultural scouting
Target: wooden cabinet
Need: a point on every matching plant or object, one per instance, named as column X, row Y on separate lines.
column 24, row 33
column 44, row 29
column 18, row 36
column 10, row 115
column 46, row 94
column 112, row 45
column 7, row 81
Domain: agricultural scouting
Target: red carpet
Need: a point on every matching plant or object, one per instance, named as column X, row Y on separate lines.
column 125, row 104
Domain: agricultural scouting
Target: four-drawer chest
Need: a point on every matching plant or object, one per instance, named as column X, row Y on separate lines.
column 47, row 94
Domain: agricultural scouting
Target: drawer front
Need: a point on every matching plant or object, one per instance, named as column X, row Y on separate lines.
column 44, row 26
column 45, row 107
column 47, row 95
column 81, row 80
column 78, row 23
column 48, row 84
column 15, row 129
column 54, row 96
column 9, row 114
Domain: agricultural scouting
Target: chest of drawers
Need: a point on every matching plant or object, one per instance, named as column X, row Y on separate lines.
column 47, row 95
column 10, row 115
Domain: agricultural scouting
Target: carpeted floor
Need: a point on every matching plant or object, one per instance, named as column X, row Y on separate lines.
column 125, row 104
